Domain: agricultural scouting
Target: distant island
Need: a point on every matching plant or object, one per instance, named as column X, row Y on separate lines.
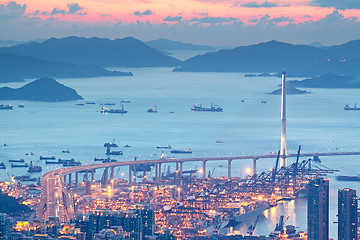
column 290, row 91
column 261, row 75
column 44, row 89
column 103, row 52
column 274, row 56
column 328, row 80
column 166, row 44
column 14, row 68
column 11, row 206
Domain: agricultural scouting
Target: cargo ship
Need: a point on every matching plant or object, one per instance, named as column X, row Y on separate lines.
column 33, row 168
column 71, row 164
column 348, row 178
column 110, row 144
column 6, row 107
column 186, row 150
column 19, row 165
column 17, row 160
column 347, row 107
column 200, row 108
column 25, row 178
column 2, row 166
column 52, row 162
column 106, row 110
column 108, row 152
column 47, row 158
column 166, row 147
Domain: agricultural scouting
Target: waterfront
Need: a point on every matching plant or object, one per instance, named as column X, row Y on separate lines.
column 317, row 121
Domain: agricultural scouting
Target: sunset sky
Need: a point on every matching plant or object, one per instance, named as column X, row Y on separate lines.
column 214, row 22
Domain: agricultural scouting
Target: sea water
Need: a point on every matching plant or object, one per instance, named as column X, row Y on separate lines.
column 247, row 126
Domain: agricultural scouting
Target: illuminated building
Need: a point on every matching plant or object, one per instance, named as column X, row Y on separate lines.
column 318, row 209
column 347, row 214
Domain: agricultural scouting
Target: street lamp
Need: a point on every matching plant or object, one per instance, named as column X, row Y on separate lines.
column 179, row 191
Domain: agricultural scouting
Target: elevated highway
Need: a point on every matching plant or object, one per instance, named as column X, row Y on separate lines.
column 57, row 200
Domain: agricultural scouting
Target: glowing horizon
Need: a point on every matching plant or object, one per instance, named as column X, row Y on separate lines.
column 176, row 17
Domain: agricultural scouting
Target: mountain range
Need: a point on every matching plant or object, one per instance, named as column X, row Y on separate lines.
column 14, row 68
column 103, row 52
column 274, row 56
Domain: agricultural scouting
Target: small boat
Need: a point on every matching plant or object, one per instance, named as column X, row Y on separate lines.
column 29, row 154
column 263, row 101
column 110, row 145
column 347, row 107
column 90, row 103
column 125, row 101
column 200, row 108
column 33, row 168
column 167, row 147
column 2, row 166
column 127, row 145
column 152, row 110
column 66, row 151
column 6, row 107
column 47, row 158
column 171, row 112
column 21, row 105
column 80, row 104
column 348, row 178
column 242, row 100
column 219, row 141
column 19, row 165
column 17, row 160
column 186, row 150
column 25, row 178
column 71, row 164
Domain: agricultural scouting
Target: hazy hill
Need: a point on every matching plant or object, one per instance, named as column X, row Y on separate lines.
column 126, row 52
column 273, row 56
column 166, row 44
column 16, row 68
column 289, row 91
column 329, row 80
column 43, row 89
column 10, row 206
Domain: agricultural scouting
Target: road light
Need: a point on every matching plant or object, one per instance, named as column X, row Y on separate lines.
column 248, row 171
column 179, row 191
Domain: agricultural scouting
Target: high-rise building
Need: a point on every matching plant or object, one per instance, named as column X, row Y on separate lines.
column 347, row 214
column 6, row 225
column 318, row 209
column 138, row 222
